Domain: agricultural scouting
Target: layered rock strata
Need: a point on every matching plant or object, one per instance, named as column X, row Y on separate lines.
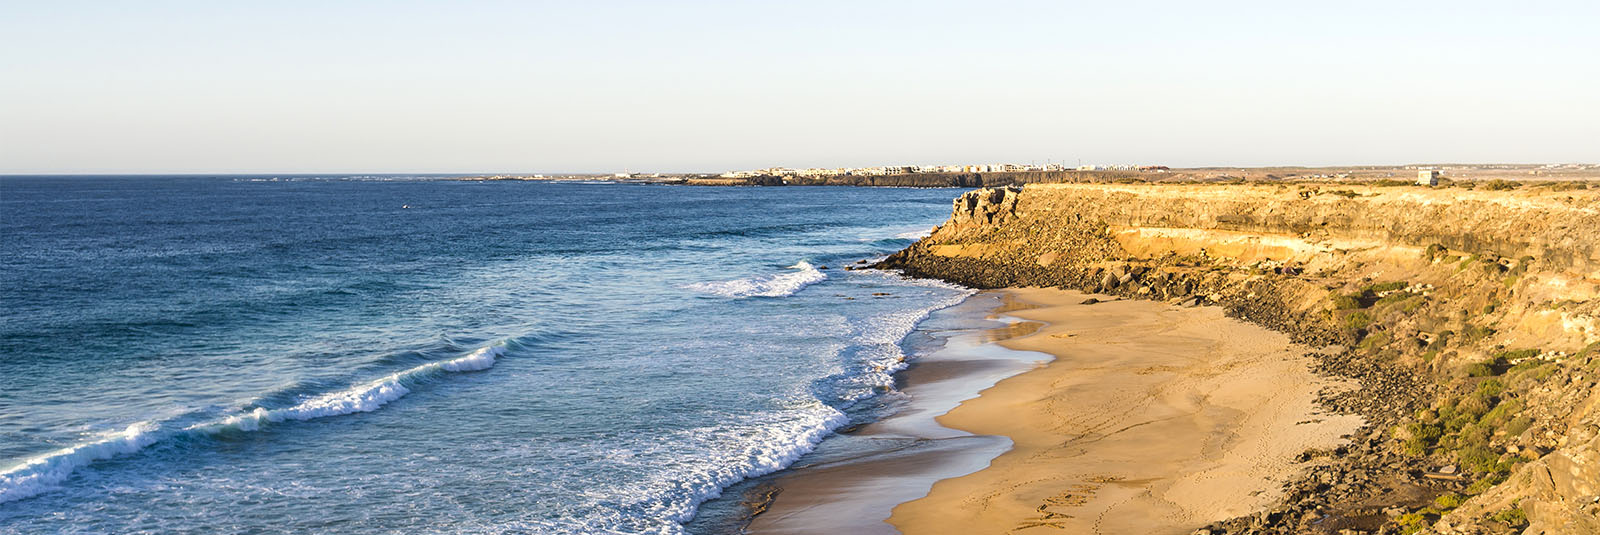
column 1470, row 318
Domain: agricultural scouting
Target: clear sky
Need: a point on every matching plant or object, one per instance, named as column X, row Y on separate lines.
column 394, row 86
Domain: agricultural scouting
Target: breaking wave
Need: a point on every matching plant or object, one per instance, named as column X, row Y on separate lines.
column 44, row 472
column 777, row 285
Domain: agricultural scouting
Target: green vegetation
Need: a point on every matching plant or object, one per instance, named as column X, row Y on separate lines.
column 1442, row 340
column 1423, row 436
column 1414, row 522
column 1522, row 266
column 1479, row 369
column 1520, row 354
column 1411, row 305
column 1346, row 302
column 1565, row 185
column 1420, row 519
column 1385, row 286
column 1394, row 298
column 1488, row 482
column 1518, row 425
column 1513, row 517
column 1448, row 500
column 1375, row 340
column 1357, row 320
column 1478, row 458
column 1500, row 185
column 1474, row 333
column 1434, row 252
column 1464, row 426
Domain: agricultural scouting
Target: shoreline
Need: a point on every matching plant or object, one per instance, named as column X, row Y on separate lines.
column 898, row 458
column 1195, row 419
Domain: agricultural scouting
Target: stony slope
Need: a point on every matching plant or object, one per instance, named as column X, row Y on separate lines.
column 1470, row 317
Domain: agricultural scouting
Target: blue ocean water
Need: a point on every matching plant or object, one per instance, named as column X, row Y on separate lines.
column 403, row 354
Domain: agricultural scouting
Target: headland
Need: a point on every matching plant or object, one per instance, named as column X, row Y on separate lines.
column 1459, row 326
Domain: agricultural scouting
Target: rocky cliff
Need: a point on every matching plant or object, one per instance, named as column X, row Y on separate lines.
column 1470, row 317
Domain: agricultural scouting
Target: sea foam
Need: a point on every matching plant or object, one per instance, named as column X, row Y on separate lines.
column 775, row 285
column 44, row 472
column 757, row 448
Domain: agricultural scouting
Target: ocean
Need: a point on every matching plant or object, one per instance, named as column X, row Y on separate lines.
column 386, row 354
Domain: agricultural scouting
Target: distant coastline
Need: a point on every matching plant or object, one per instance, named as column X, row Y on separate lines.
column 1394, row 175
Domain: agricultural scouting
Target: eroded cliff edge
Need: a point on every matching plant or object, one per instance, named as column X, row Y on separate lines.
column 1470, row 317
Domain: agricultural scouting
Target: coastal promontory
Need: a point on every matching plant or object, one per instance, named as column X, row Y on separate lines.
column 1467, row 316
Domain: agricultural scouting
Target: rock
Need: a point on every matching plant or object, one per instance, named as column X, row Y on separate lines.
column 1000, row 239
column 1089, row 301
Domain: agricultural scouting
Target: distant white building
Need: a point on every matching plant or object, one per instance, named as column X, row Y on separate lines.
column 1428, row 177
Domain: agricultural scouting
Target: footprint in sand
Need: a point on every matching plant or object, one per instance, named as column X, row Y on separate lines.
column 1074, row 496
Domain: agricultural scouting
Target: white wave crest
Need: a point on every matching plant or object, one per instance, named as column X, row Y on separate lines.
column 365, row 397
column 43, row 472
column 880, row 337
column 914, row 235
column 741, row 451
column 777, row 285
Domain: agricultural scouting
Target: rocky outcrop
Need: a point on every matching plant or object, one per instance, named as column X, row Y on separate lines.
column 1470, row 318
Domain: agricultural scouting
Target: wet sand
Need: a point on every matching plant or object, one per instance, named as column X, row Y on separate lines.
column 912, row 451
column 1150, row 419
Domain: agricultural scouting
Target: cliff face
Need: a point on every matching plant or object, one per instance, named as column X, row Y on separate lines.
column 1470, row 317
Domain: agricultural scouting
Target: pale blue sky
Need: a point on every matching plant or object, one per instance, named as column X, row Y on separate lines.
column 288, row 86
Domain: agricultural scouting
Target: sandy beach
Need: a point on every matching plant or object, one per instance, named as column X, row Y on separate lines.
column 1151, row 418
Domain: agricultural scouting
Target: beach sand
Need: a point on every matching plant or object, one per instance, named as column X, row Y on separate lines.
column 1150, row 419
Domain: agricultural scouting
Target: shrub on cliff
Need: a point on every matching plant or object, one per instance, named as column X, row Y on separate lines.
column 1374, row 340
column 1513, row 517
column 1385, row 286
column 1472, row 407
column 1448, row 501
column 1435, row 252
column 1473, row 333
column 1479, row 459
column 1520, row 354
column 1394, row 298
column 1518, row 425
column 1357, row 320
